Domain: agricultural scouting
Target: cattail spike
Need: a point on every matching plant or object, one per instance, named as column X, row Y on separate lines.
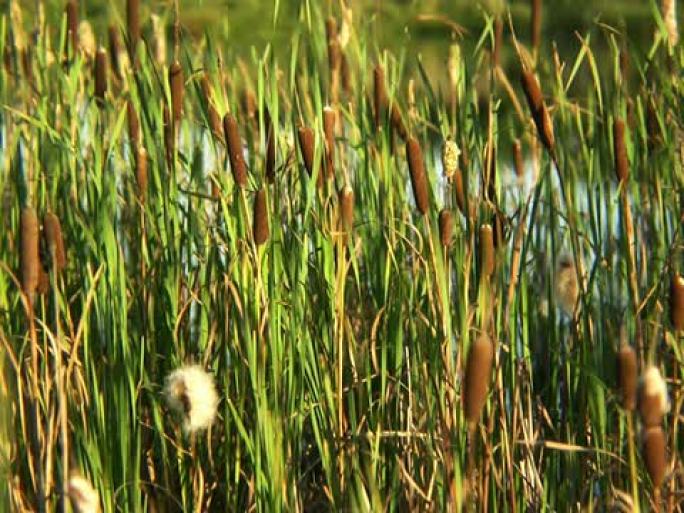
column 419, row 183
column 347, row 207
column 141, row 172
column 213, row 117
column 100, row 75
column 620, row 150
column 72, row 25
column 329, row 122
column 52, row 230
column 260, row 230
column 133, row 124
column 654, row 449
column 30, row 258
column 133, row 25
column 306, row 145
column 536, row 24
column 235, row 153
column 176, row 84
column 115, row 51
column 627, row 376
column 540, row 113
column 446, row 227
column 380, row 96
column 477, row 377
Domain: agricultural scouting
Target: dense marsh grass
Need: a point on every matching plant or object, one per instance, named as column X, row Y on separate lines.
column 329, row 283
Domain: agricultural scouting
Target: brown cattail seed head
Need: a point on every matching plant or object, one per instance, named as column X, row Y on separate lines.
column 176, row 83
column 653, row 400
column 418, row 178
column 620, row 150
column 654, row 450
column 133, row 124
column 52, row 230
column 450, row 154
column 213, row 117
column 478, row 370
column 518, row 159
column 347, row 207
column 235, row 154
column 133, row 24
column 398, row 121
column 72, row 24
column 536, row 23
column 260, row 218
column 100, row 74
column 306, row 145
column 446, row 227
column 627, row 376
column 30, row 258
column 487, row 250
column 380, row 95
column 677, row 302
column 115, row 51
column 141, row 172
column 540, row 113
column 329, row 122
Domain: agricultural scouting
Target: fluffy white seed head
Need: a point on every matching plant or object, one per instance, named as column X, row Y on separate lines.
column 450, row 154
column 654, row 386
column 190, row 393
column 84, row 498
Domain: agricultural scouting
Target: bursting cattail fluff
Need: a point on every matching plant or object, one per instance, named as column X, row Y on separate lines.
column 30, row 257
column 450, row 154
column 260, row 229
column 669, row 13
column 84, row 498
column 620, row 150
column 653, row 400
column 487, row 250
column 52, row 229
column 191, row 394
column 235, row 154
column 86, row 39
column 414, row 154
column 478, row 370
column 654, row 451
column 446, row 227
column 100, row 74
column 677, row 302
column 176, row 84
column 627, row 376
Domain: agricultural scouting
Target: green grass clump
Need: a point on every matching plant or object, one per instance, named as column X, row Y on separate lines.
column 334, row 281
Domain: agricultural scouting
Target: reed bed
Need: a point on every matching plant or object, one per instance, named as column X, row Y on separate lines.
column 330, row 283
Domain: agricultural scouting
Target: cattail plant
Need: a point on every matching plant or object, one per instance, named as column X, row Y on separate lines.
column 84, row 498
column 620, row 150
column 677, row 302
column 191, row 394
column 133, row 124
column 100, row 75
column 133, row 25
column 536, row 24
column 566, row 288
column 329, row 122
column 477, row 377
column 116, row 53
column 654, row 451
column 627, row 376
column 450, row 154
column 419, row 180
column 379, row 95
column 653, row 400
column 518, row 160
column 260, row 228
column 498, row 40
column 669, row 13
column 346, row 198
column 459, row 191
column 87, row 44
column 141, row 172
column 446, row 227
column 306, row 146
column 487, row 256
column 30, row 257
column 169, row 134
column 235, row 153
column 540, row 113
column 52, row 231
column 334, row 58
column 72, row 25
column 177, row 85
column 270, row 146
